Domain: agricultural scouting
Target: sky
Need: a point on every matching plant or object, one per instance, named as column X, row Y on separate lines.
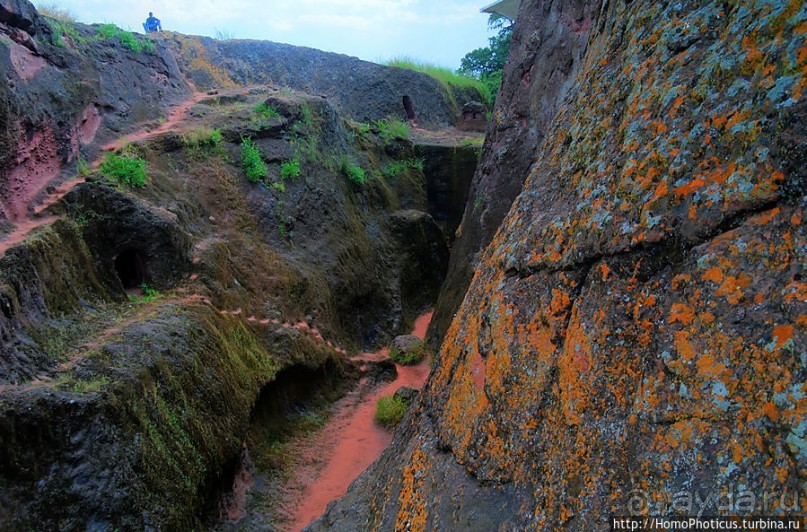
column 440, row 32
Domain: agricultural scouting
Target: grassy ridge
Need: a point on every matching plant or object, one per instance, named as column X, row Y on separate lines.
column 441, row 74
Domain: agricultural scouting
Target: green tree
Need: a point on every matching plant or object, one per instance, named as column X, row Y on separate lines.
column 487, row 63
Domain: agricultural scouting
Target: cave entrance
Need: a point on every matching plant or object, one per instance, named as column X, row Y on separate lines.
column 131, row 268
column 409, row 108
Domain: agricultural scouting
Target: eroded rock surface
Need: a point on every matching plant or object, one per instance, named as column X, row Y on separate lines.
column 359, row 89
column 636, row 328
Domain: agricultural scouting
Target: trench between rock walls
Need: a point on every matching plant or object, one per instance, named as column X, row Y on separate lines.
column 311, row 431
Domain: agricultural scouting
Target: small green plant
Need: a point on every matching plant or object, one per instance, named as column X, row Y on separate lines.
column 398, row 167
column 266, row 111
column 107, row 31
column 290, row 170
column 83, row 218
column 353, row 172
column 148, row 294
column 126, row 38
column 68, row 383
column 202, row 141
column 83, row 168
column 254, row 167
column 392, row 129
column 307, row 115
column 127, row 170
column 389, row 411
column 412, row 357
column 279, row 186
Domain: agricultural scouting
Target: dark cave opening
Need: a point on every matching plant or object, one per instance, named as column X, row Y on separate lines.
column 409, row 108
column 131, row 268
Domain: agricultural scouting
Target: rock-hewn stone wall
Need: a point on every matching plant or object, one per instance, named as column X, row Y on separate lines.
column 635, row 332
column 546, row 53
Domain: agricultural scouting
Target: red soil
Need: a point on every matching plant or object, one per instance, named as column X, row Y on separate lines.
column 176, row 115
column 360, row 442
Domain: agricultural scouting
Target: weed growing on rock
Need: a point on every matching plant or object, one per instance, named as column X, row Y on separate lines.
column 251, row 161
column 389, row 411
column 148, row 294
column 125, row 169
column 266, row 111
column 290, row 170
column 353, row 172
column 126, row 38
column 64, row 382
column 201, row 142
column 392, row 129
column 398, row 167
column 410, row 358
column 83, row 168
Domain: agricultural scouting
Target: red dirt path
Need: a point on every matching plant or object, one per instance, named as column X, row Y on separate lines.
column 39, row 165
column 359, row 443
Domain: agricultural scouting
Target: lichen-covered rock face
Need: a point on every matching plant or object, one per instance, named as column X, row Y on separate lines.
column 633, row 340
column 546, row 53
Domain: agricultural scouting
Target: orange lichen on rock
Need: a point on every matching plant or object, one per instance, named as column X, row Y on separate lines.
column 412, row 513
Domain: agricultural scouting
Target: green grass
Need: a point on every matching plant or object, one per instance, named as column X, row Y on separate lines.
column 392, row 129
column 441, row 74
column 290, row 170
column 148, row 294
column 353, row 172
column 414, row 356
column 65, row 382
column 389, row 411
column 254, row 167
column 201, row 142
column 126, row 38
column 63, row 29
column 398, row 167
column 127, row 170
column 266, row 111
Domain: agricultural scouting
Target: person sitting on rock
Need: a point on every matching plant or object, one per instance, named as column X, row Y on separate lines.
column 152, row 24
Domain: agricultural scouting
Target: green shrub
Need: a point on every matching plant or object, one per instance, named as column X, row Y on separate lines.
column 266, row 111
column 354, row 173
column 398, row 167
column 127, row 170
column 126, row 38
column 202, row 141
column 414, row 356
column 147, row 294
column 392, row 129
column 251, row 161
column 107, row 31
column 148, row 46
column 130, row 42
column 389, row 411
column 290, row 170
